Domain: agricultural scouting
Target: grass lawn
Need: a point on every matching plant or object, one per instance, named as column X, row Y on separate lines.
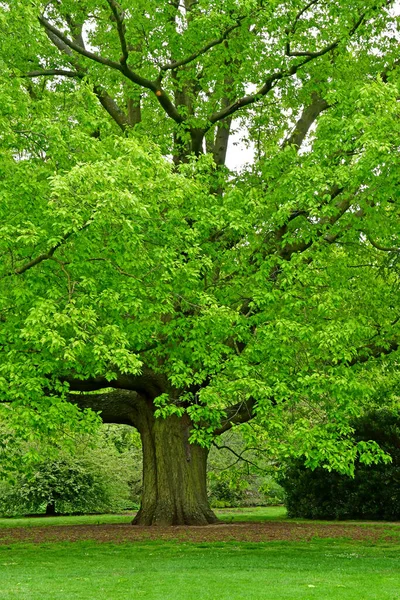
column 261, row 513
column 329, row 569
column 323, row 570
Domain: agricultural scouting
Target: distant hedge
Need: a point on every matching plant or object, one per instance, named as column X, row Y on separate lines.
column 374, row 493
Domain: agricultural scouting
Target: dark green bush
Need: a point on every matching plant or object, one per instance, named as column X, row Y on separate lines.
column 373, row 493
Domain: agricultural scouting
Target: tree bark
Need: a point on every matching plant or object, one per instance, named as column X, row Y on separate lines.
column 174, row 475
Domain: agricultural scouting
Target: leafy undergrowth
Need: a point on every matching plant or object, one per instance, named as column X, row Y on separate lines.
column 225, row 571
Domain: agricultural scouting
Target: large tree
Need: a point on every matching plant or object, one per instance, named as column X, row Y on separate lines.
column 144, row 280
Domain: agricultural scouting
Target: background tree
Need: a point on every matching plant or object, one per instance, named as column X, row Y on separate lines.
column 191, row 299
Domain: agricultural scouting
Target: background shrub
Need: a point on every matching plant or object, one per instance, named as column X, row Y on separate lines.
column 373, row 493
column 103, row 476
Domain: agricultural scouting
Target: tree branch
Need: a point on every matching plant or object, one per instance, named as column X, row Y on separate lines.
column 269, row 83
column 307, row 118
column 341, row 207
column 332, row 46
column 119, row 19
column 147, row 383
column 62, row 41
column 109, row 104
column 184, row 61
column 237, row 414
column 372, row 351
column 239, row 457
column 52, row 72
column 115, row 407
column 301, row 13
column 380, row 247
column 105, row 99
column 77, row 47
column 47, row 255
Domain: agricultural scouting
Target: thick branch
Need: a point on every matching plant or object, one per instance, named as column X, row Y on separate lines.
column 221, row 142
column 146, row 383
column 134, row 112
column 115, row 407
column 237, row 414
column 307, row 118
column 166, row 103
column 109, row 104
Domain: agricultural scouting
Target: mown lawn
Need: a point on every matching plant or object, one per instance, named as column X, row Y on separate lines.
column 323, row 569
column 184, row 571
column 261, row 513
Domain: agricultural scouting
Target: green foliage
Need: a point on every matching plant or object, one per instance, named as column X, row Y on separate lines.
column 103, row 476
column 227, row 489
column 269, row 294
column 239, row 475
column 373, row 492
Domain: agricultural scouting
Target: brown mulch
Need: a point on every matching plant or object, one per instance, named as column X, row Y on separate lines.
column 240, row 532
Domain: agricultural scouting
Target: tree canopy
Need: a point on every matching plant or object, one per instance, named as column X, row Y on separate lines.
column 140, row 277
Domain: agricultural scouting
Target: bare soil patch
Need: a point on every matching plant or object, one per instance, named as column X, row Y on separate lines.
column 239, row 532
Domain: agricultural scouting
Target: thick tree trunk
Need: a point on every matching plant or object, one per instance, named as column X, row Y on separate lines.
column 174, row 475
column 174, row 471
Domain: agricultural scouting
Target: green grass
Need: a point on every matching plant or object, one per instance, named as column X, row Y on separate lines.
column 317, row 570
column 73, row 520
column 229, row 515
column 262, row 513
column 258, row 513
column 321, row 570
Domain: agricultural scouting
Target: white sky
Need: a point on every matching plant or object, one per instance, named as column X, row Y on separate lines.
column 238, row 153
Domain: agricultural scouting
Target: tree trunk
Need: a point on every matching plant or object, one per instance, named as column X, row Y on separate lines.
column 174, row 471
column 174, row 475
column 51, row 509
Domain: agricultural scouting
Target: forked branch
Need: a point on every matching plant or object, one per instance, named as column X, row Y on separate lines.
column 59, row 39
column 279, row 75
